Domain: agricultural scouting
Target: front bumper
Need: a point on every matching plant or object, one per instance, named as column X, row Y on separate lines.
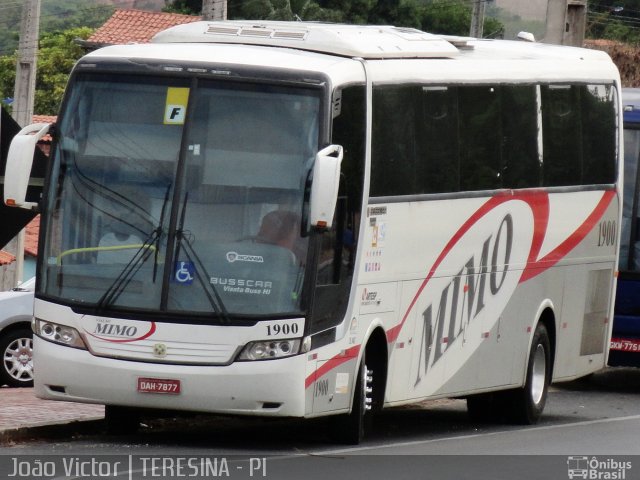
column 266, row 388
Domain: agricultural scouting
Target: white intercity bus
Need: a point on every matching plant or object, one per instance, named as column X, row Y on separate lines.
column 304, row 220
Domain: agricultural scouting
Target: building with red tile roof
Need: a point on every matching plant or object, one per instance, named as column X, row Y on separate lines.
column 31, row 237
column 44, row 118
column 135, row 26
column 6, row 258
column 30, row 242
column 45, row 142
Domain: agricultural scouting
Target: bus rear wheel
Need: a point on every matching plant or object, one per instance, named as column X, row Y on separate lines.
column 525, row 405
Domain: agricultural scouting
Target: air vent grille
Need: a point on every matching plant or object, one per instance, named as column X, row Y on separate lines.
column 216, row 29
column 257, row 32
column 290, row 35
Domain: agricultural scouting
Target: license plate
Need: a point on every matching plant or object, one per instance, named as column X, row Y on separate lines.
column 159, row 385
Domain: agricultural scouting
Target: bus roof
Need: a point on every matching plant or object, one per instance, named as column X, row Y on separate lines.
column 364, row 41
column 393, row 54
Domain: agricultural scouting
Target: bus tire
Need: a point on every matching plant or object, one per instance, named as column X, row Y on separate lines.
column 350, row 429
column 121, row 420
column 525, row 405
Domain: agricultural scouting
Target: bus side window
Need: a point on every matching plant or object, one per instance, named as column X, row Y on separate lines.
column 522, row 167
column 336, row 248
column 439, row 159
column 332, row 251
column 579, row 134
column 479, row 117
column 562, row 135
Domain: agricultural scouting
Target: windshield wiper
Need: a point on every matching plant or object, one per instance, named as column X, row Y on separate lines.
column 202, row 275
column 158, row 238
column 128, row 272
column 152, row 242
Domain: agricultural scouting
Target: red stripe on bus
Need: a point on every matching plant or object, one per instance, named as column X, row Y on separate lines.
column 332, row 363
column 538, row 201
column 535, row 268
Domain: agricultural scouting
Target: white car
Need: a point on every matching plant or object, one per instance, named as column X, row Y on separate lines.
column 16, row 344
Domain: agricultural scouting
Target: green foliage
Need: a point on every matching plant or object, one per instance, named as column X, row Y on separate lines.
column 446, row 17
column 604, row 25
column 614, row 20
column 454, row 18
column 436, row 16
column 7, row 76
column 55, row 15
column 188, row 7
column 281, row 10
column 57, row 54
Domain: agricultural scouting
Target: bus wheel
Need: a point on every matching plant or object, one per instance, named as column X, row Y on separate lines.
column 121, row 420
column 526, row 404
column 350, row 429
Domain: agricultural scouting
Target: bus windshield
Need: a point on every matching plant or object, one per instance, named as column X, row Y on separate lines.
column 180, row 196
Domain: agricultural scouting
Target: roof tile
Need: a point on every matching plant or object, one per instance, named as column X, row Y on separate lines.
column 136, row 26
column 31, row 237
column 6, row 258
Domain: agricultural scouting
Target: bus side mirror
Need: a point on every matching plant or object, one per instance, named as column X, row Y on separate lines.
column 324, row 189
column 19, row 162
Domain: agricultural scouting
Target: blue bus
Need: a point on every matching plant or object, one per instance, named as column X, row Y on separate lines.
column 625, row 338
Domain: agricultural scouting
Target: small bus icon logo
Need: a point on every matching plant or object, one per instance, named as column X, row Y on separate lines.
column 578, row 467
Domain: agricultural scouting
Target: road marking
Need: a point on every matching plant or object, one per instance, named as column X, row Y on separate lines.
column 475, row 435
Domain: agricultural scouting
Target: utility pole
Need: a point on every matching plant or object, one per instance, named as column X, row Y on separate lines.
column 214, row 9
column 477, row 18
column 566, row 21
column 25, row 87
column 23, row 98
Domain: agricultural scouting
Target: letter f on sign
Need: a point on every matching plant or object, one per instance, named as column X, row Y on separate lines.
column 174, row 115
column 175, row 110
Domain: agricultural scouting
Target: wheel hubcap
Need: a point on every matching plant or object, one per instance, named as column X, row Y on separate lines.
column 539, row 374
column 18, row 359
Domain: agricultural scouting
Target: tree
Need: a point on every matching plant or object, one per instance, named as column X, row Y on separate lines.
column 437, row 16
column 57, row 15
column 308, row 10
column 454, row 18
column 57, row 54
column 188, row 7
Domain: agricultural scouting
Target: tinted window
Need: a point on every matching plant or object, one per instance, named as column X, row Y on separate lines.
column 629, row 241
column 578, row 134
column 337, row 247
column 436, row 139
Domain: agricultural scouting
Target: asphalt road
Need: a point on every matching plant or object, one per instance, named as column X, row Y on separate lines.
column 594, row 421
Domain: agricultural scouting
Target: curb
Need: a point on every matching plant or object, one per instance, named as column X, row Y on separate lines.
column 62, row 429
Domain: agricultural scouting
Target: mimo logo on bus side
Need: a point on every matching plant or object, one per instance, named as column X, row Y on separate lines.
column 478, row 281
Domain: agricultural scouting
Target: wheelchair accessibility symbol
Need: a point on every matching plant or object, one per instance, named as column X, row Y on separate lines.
column 184, row 272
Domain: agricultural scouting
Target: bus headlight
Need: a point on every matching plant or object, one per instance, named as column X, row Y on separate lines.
column 270, row 349
column 60, row 334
